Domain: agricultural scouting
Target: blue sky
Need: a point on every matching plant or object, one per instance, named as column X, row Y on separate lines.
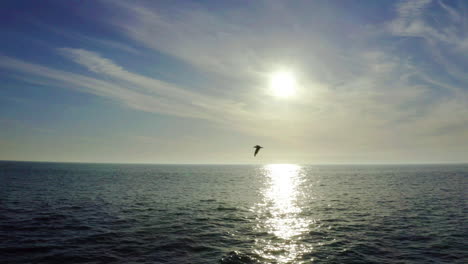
column 189, row 81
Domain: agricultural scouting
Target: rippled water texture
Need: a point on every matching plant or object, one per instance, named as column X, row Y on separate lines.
column 101, row 213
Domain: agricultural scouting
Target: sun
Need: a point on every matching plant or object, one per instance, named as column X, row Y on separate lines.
column 283, row 84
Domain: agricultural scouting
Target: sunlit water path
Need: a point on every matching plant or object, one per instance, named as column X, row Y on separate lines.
column 279, row 214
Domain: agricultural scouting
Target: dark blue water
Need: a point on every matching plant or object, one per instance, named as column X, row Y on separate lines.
column 101, row 213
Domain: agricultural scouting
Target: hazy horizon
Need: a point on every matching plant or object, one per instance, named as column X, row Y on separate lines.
column 188, row 82
column 244, row 164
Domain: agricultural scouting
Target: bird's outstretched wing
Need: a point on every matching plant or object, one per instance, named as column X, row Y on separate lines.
column 256, row 151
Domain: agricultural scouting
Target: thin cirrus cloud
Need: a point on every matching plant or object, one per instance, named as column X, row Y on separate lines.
column 98, row 87
column 445, row 34
column 134, row 90
column 181, row 101
column 218, row 43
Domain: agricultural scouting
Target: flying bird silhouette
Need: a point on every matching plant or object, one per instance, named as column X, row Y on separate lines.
column 257, row 149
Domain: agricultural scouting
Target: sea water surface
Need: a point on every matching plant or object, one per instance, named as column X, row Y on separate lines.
column 108, row 213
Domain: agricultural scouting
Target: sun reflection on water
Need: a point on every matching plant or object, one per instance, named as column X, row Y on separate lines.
column 281, row 196
column 279, row 214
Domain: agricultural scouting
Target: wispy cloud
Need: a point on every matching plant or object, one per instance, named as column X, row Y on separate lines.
column 80, row 38
column 222, row 43
column 184, row 100
column 98, row 87
column 414, row 20
column 445, row 34
column 409, row 22
column 134, row 90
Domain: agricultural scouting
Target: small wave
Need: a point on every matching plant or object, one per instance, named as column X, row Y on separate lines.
column 50, row 218
column 65, row 258
column 221, row 208
column 77, row 227
column 208, row 200
column 23, row 250
column 317, row 233
column 235, row 257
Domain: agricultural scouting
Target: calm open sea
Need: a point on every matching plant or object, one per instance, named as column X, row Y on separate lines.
column 102, row 213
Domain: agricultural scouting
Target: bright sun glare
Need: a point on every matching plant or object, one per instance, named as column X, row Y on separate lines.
column 283, row 84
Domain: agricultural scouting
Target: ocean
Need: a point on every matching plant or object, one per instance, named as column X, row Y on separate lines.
column 279, row 213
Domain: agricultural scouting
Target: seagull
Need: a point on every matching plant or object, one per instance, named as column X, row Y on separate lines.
column 257, row 149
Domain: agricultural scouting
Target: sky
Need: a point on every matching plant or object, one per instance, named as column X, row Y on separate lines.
column 191, row 81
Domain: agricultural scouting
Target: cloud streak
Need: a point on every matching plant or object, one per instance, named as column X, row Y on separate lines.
column 98, row 87
column 133, row 90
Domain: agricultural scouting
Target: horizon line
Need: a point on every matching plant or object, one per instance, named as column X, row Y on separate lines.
column 262, row 164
